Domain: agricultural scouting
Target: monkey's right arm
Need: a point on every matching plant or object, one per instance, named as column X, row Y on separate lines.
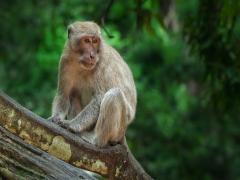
column 60, row 108
column 86, row 118
column 61, row 102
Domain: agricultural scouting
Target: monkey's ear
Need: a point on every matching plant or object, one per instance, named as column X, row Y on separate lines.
column 69, row 31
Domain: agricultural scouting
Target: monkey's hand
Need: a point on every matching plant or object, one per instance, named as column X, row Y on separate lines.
column 71, row 125
column 54, row 119
column 64, row 123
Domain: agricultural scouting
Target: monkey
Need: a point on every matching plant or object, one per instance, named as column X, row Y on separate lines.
column 96, row 95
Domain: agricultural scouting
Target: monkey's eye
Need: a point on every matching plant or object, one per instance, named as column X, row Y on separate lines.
column 86, row 40
column 95, row 41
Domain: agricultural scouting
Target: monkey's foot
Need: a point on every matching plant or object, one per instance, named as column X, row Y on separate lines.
column 88, row 137
column 113, row 143
column 76, row 128
column 54, row 119
column 64, row 123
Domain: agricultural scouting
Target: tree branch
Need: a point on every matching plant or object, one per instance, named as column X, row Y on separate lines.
column 104, row 16
column 19, row 160
column 115, row 162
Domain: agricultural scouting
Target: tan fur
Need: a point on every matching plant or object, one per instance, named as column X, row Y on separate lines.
column 99, row 103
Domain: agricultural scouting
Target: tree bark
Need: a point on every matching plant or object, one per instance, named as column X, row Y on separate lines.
column 113, row 162
column 19, row 160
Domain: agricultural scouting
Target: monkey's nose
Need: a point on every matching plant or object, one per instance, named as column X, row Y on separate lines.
column 92, row 56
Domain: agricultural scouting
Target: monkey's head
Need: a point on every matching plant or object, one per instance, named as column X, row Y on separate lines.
column 85, row 40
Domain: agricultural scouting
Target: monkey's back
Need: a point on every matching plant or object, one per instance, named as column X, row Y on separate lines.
column 115, row 73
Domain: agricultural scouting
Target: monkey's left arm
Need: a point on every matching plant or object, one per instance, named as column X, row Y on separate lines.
column 86, row 118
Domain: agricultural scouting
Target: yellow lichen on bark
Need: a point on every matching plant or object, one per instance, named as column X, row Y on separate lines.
column 9, row 123
column 25, row 136
column 60, row 149
column 94, row 165
column 43, row 138
column 117, row 172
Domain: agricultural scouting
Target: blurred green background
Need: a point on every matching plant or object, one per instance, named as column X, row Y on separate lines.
column 185, row 57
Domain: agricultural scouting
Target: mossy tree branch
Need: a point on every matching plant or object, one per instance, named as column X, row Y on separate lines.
column 115, row 162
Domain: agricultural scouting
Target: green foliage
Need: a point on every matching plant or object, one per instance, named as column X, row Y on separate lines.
column 214, row 38
column 187, row 123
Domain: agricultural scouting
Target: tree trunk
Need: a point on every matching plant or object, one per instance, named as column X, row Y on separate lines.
column 19, row 160
column 113, row 162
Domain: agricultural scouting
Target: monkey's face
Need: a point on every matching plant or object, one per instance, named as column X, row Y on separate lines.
column 87, row 50
column 84, row 39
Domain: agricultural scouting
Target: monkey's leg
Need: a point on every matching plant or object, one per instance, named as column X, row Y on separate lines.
column 86, row 118
column 113, row 117
column 75, row 108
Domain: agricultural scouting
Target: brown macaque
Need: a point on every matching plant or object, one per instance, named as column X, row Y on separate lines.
column 96, row 95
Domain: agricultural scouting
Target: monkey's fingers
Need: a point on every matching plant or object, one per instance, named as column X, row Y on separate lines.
column 64, row 123
column 68, row 125
column 54, row 119
column 76, row 128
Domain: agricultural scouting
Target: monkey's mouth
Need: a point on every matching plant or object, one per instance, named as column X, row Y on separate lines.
column 88, row 64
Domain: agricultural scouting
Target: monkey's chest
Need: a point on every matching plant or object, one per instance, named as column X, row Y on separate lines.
column 86, row 96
